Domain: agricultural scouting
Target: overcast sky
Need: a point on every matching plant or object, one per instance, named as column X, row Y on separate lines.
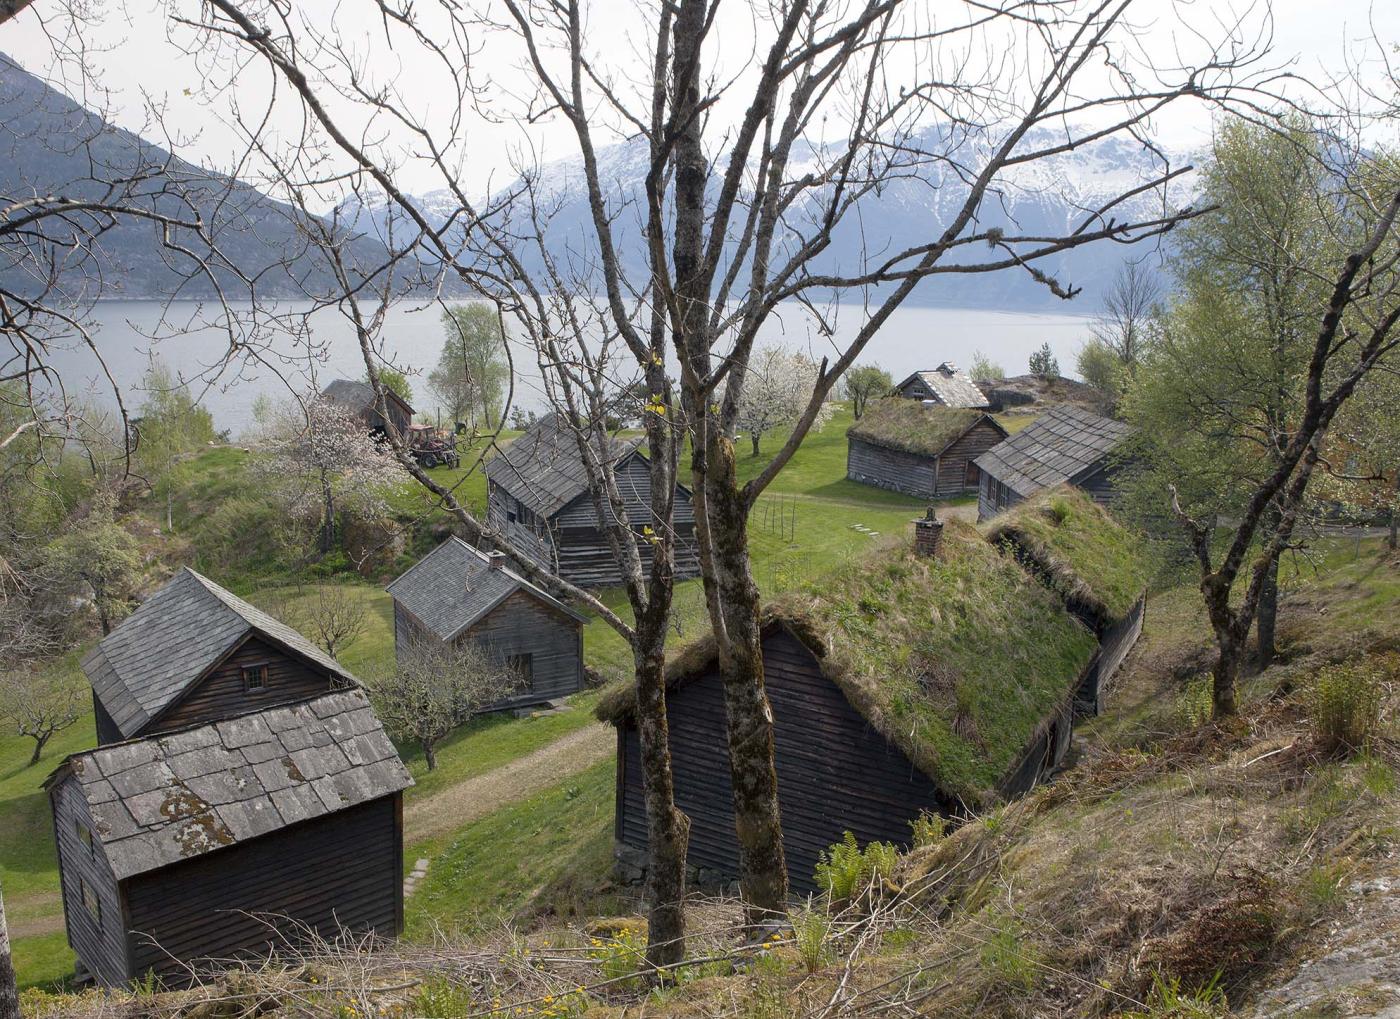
column 139, row 63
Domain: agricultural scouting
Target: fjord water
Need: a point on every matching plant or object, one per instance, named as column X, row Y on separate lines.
column 127, row 332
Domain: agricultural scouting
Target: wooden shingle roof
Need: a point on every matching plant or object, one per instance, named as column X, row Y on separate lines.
column 163, row 799
column 950, row 387
column 542, row 468
column 454, row 586
column 169, row 643
column 359, row 396
column 1063, row 444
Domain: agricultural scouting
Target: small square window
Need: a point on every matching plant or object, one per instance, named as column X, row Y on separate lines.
column 255, row 678
column 84, row 835
column 90, row 902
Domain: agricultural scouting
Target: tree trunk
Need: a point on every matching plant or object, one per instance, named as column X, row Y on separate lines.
column 170, row 512
column 754, row 438
column 1267, row 623
column 38, row 749
column 1391, row 539
column 1223, row 676
column 430, row 755
column 749, row 716
column 328, row 513
column 9, row 992
column 668, row 830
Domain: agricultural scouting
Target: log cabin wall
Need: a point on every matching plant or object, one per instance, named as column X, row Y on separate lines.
column 98, row 941
column 341, row 870
column 993, row 497
column 223, row 693
column 835, row 772
column 892, row 469
column 523, row 625
column 1101, row 485
column 956, row 475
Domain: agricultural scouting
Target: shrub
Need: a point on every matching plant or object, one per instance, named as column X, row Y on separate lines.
column 1043, row 363
column 1196, row 706
column 928, row 830
column 1007, row 954
column 621, row 954
column 1168, row 1001
column 811, row 931
column 844, row 869
column 1344, row 702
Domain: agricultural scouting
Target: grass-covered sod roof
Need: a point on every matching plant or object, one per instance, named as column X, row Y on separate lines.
column 1083, row 553
column 910, row 426
column 959, row 661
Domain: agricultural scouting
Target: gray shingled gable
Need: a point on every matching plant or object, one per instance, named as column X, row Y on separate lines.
column 542, row 468
column 1063, row 444
column 163, row 799
column 358, row 396
column 453, row 586
column 165, row 646
column 950, row 387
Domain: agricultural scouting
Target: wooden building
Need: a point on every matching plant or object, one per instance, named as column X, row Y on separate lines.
column 944, row 386
column 921, row 450
column 456, row 594
column 960, row 698
column 230, row 838
column 538, row 495
column 1065, row 445
column 192, row 653
column 1093, row 564
column 357, row 399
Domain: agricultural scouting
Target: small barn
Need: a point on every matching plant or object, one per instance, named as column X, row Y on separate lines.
column 229, row 839
column 456, row 593
column 1093, row 563
column 194, row 652
column 538, row 495
column 357, row 400
column 921, row 450
column 944, row 386
column 904, row 684
column 1065, row 445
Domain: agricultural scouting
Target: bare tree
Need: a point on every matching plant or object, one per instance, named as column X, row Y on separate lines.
column 40, row 703
column 438, row 687
column 727, row 227
column 1128, row 305
column 335, row 617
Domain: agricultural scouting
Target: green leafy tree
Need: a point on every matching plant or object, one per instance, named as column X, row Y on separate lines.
column 866, row 381
column 98, row 556
column 396, row 382
column 1043, row 364
column 1099, row 366
column 472, row 371
column 170, row 425
column 984, row 369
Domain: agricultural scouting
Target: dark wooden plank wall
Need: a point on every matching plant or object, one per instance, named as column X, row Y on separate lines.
column 342, row 870
column 1046, row 752
column 522, row 624
column 868, row 787
column 221, row 693
column 1114, row 644
column 101, row 948
column 954, row 460
column 916, row 389
column 1100, row 486
column 107, row 731
column 993, row 497
column 891, row 469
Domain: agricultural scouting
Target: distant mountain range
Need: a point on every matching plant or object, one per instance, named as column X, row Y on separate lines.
column 40, row 153
column 1046, row 198
column 50, row 145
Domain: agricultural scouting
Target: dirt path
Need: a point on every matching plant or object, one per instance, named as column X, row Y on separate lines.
column 476, row 797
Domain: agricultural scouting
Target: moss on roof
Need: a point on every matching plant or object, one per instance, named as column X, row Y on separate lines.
column 958, row 661
column 910, row 426
column 1081, row 550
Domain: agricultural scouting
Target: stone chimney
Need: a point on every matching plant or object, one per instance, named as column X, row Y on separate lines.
column 928, row 535
column 496, row 560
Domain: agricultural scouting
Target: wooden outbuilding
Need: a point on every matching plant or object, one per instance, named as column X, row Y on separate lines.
column 944, row 386
column 1065, row 445
column 904, row 684
column 357, row 399
column 539, row 496
column 1093, row 563
column 921, row 450
column 458, row 594
column 193, row 652
column 230, row 839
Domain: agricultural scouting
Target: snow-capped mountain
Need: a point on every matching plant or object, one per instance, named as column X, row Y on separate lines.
column 1048, row 197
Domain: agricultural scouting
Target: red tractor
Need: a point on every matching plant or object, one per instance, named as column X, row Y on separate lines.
column 433, row 446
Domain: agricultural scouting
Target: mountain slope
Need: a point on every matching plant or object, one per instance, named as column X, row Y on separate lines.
column 51, row 145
